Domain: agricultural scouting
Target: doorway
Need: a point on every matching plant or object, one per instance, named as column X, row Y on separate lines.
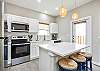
column 81, row 32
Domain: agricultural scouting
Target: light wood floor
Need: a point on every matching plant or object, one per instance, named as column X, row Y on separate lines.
column 28, row 66
column 34, row 66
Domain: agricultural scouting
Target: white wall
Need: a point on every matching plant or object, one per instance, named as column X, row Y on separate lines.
column 14, row 9
column 89, row 9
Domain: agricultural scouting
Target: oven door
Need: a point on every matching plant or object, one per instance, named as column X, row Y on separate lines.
column 20, row 50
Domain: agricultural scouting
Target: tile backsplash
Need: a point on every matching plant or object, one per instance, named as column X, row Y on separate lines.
column 35, row 36
column 41, row 37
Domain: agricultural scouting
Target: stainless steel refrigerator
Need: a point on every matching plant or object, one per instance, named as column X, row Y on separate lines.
column 1, row 35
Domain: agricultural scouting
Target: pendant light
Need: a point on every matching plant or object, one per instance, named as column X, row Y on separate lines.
column 75, row 15
column 62, row 10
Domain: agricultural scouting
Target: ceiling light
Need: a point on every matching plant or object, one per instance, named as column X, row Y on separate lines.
column 57, row 8
column 45, row 11
column 39, row 1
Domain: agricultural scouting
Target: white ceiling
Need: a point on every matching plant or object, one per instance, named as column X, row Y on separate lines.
column 47, row 6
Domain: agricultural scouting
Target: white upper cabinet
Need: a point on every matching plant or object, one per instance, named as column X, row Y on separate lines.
column 33, row 25
column 24, row 20
column 18, row 19
column 8, row 20
column 15, row 18
column 53, row 28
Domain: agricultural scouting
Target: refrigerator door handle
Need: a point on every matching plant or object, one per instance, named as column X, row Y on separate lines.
column 2, row 37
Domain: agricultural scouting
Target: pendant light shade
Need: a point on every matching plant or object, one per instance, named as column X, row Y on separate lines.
column 62, row 11
column 75, row 15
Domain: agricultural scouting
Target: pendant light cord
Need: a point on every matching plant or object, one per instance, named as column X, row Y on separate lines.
column 75, row 6
column 75, row 15
column 61, row 3
column 75, row 3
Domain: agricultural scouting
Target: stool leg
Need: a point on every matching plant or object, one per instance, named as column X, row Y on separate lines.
column 91, row 64
column 80, row 67
column 83, row 66
column 86, row 65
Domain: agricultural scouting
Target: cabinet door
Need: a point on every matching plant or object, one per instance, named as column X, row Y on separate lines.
column 53, row 28
column 32, row 51
column 33, row 25
column 37, row 51
column 8, row 19
column 24, row 20
column 15, row 18
column 9, row 52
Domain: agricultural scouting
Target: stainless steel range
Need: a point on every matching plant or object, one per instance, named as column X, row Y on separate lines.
column 6, row 51
column 20, row 49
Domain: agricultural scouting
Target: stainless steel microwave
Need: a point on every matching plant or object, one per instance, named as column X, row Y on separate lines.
column 17, row 27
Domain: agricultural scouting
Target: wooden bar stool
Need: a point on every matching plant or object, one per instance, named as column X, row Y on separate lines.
column 88, row 57
column 66, row 64
column 80, row 61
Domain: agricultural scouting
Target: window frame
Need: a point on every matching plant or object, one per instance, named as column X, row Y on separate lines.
column 44, row 29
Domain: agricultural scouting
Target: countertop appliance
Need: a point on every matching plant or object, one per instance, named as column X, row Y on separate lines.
column 5, row 27
column 54, row 36
column 20, row 49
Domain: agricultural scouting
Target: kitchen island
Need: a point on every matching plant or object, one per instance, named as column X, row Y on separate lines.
column 51, row 52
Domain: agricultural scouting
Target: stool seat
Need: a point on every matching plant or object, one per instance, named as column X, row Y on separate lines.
column 88, row 57
column 68, row 64
column 85, row 54
column 78, row 58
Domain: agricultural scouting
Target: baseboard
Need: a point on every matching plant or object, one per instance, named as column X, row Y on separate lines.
column 34, row 58
column 96, row 63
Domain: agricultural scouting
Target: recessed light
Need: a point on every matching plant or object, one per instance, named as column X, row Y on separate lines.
column 39, row 1
column 46, row 11
column 57, row 8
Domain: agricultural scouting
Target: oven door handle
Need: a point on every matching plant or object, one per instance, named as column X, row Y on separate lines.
column 20, row 44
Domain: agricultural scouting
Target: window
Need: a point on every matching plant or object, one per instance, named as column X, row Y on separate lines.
column 43, row 29
column 79, row 32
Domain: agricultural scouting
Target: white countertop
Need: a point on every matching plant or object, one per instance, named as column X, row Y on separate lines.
column 63, row 48
column 40, row 42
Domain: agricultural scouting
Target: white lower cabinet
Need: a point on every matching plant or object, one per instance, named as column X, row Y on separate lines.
column 34, row 51
column 47, row 61
column 9, row 53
